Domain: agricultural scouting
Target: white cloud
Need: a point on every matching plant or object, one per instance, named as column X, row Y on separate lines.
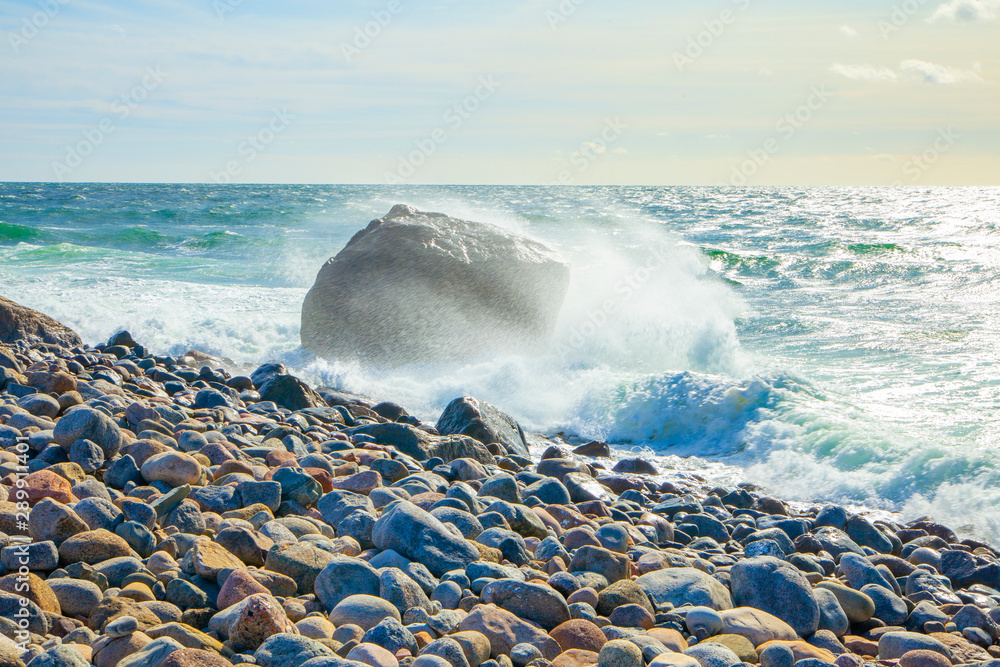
column 865, row 73
column 909, row 70
column 596, row 148
column 620, row 150
column 967, row 10
column 849, row 32
column 932, row 73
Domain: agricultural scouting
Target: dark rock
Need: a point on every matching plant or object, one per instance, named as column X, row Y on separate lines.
column 483, row 422
column 289, row 392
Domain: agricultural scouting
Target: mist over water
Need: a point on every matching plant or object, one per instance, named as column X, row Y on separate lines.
column 830, row 344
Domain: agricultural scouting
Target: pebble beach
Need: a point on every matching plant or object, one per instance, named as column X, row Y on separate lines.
column 170, row 511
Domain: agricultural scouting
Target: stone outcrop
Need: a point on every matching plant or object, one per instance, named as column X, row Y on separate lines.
column 416, row 286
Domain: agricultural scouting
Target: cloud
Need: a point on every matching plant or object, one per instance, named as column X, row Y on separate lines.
column 931, row 73
column 620, row 150
column 909, row 70
column 865, row 73
column 849, row 32
column 969, row 11
column 596, row 148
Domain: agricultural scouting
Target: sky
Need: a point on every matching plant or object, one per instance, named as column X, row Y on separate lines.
column 713, row 92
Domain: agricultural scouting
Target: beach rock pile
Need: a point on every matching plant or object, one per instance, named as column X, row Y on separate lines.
column 177, row 515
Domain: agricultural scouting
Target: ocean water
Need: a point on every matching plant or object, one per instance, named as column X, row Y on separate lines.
column 830, row 344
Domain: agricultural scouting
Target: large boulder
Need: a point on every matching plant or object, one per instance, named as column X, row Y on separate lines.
column 20, row 323
column 416, row 535
column 778, row 588
column 416, row 286
column 484, row 422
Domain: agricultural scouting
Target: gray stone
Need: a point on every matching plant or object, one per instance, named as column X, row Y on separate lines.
column 86, row 454
column 60, row 656
column 51, row 520
column 396, row 587
column 888, row 606
column 285, row 650
column 391, row 635
column 301, row 561
column 681, row 586
column 336, row 505
column 77, row 597
column 84, row 423
column 501, row 485
column 99, row 513
column 892, row 645
column 41, row 556
column 777, row 655
column 418, row 536
column 713, row 655
column 532, row 602
column 121, row 626
column 831, row 614
column 450, row 650
column 778, row 588
column 28, row 614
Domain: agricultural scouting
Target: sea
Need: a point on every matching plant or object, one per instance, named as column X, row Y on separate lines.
column 828, row 344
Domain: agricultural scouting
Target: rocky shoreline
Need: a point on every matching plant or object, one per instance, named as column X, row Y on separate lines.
column 160, row 511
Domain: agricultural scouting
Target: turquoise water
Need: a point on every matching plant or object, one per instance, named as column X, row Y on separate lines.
column 831, row 344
